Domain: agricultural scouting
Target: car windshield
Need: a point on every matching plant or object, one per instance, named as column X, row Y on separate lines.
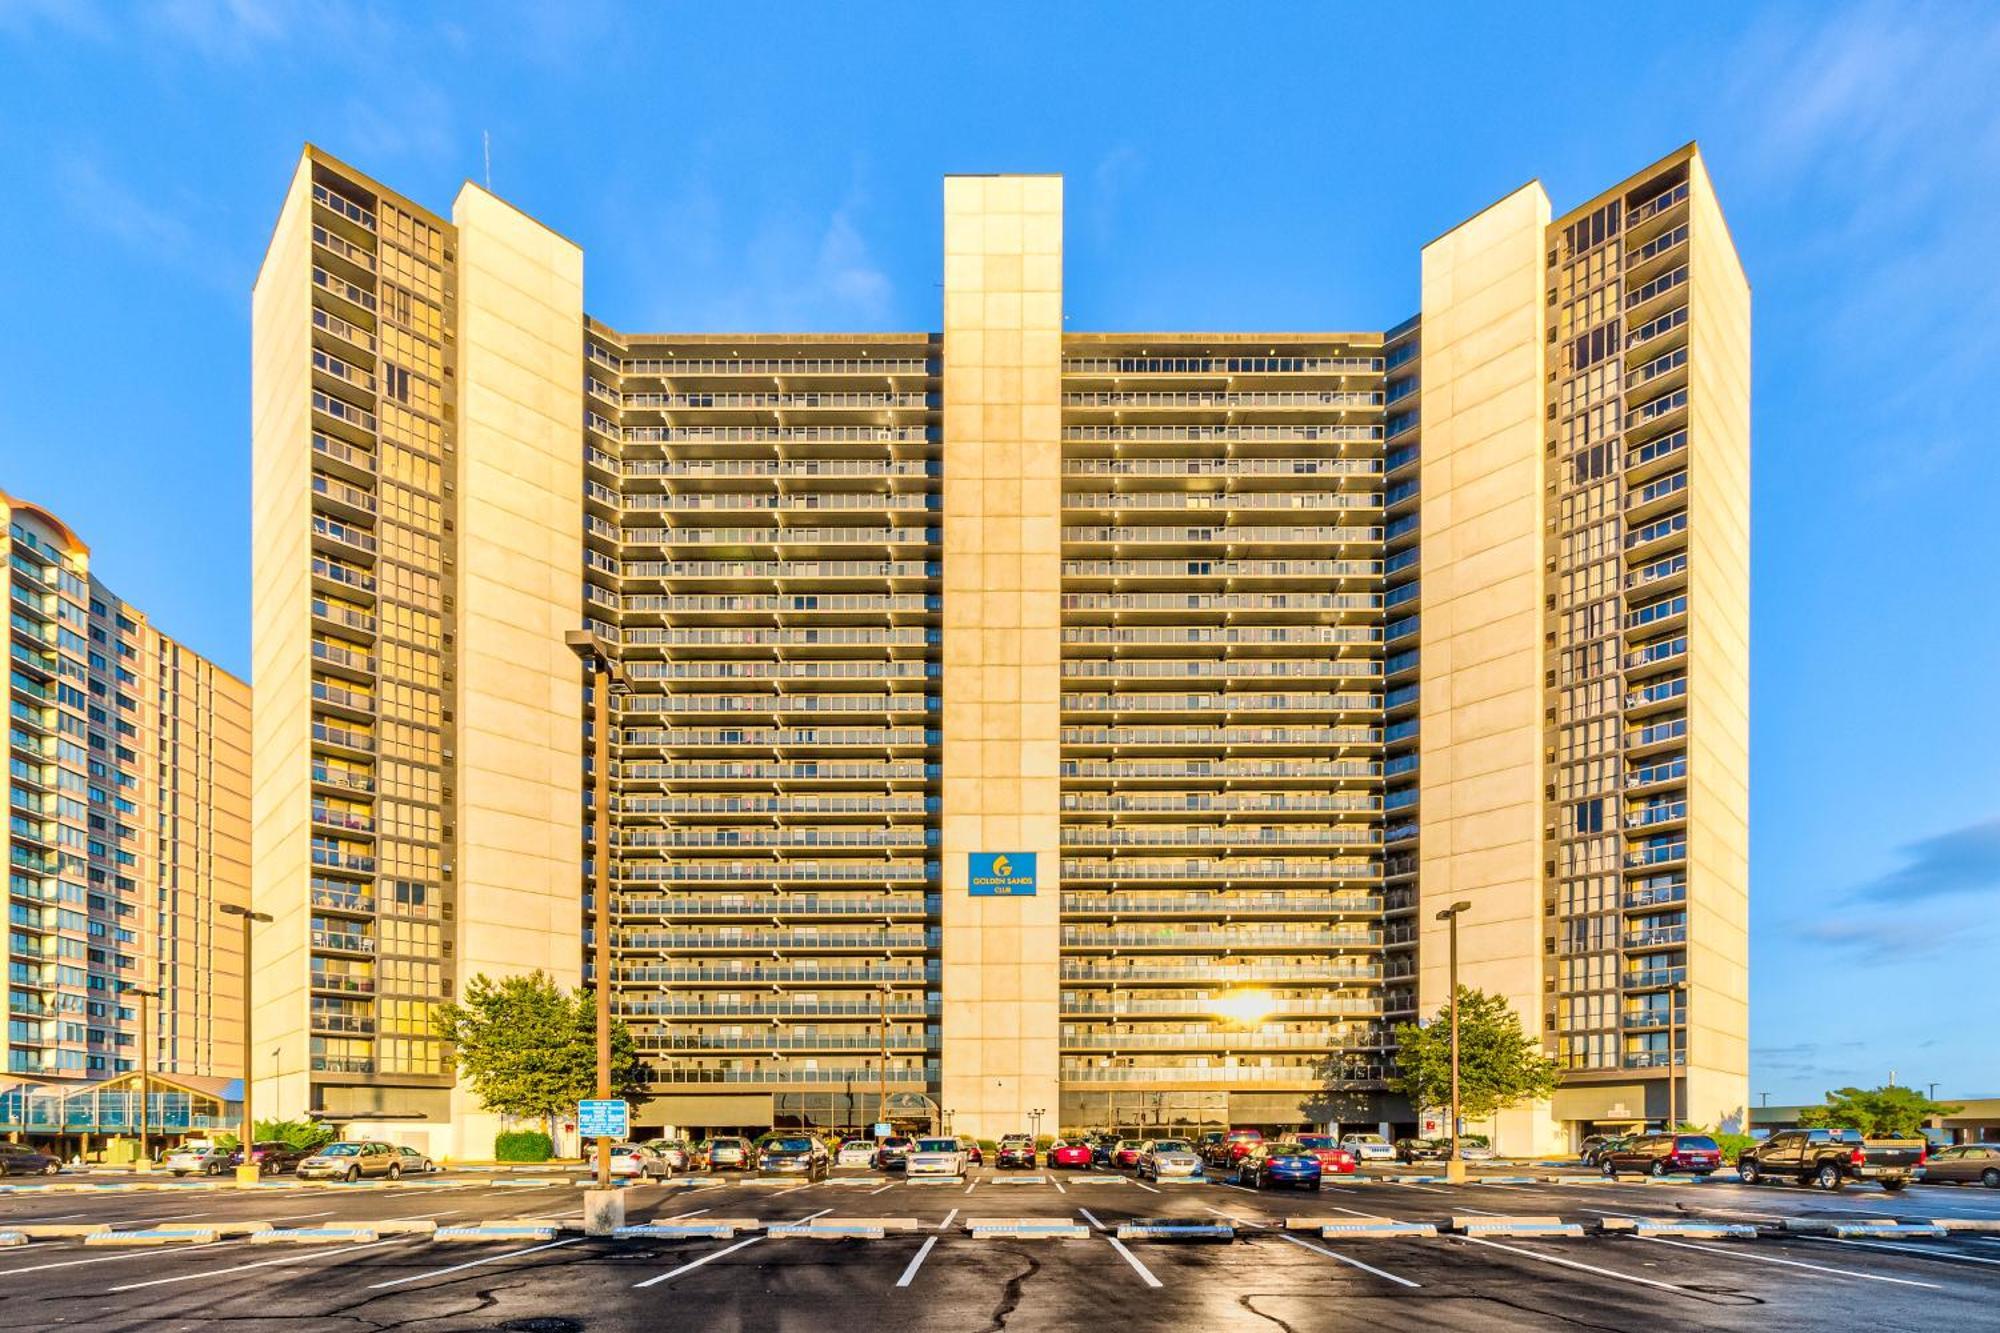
column 340, row 1150
column 1289, row 1150
column 895, row 1143
column 791, row 1145
column 1697, row 1143
column 1318, row 1141
column 1130, row 1143
column 1015, row 1140
column 862, row 1144
column 1367, row 1138
column 1170, row 1145
column 937, row 1145
column 1246, row 1133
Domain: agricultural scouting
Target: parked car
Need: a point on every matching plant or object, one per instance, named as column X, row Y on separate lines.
column 1125, row 1153
column 1662, row 1155
column 674, row 1152
column 633, row 1161
column 1964, row 1164
column 1368, row 1147
column 17, row 1159
column 352, row 1159
column 1334, row 1160
column 731, row 1153
column 856, row 1152
column 1015, row 1150
column 1228, row 1149
column 208, row 1160
column 414, row 1162
column 1411, row 1151
column 1073, row 1153
column 935, row 1157
column 1272, row 1164
column 795, row 1155
column 1597, row 1145
column 1474, row 1148
column 1169, row 1159
column 1830, row 1158
column 271, row 1156
column 890, row 1152
column 1101, row 1148
column 973, row 1152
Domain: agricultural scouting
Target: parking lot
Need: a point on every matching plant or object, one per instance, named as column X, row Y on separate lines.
column 927, row 1271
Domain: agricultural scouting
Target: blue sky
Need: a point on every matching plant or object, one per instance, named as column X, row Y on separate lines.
column 777, row 166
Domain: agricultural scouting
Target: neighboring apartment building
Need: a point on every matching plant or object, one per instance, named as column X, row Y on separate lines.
column 1083, row 727
column 128, row 822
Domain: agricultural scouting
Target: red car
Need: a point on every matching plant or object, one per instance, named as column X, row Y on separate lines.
column 1064, row 1153
column 1226, row 1150
column 1334, row 1160
column 1125, row 1153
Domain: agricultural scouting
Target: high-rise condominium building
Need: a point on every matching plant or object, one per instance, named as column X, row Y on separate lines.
column 1051, row 729
column 128, row 828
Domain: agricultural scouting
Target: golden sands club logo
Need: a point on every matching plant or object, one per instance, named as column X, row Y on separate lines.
column 1002, row 874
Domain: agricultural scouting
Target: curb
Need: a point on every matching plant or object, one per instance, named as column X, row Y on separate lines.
column 675, row 1231
column 150, row 1238
column 1514, row 1226
column 1174, row 1228
column 814, row 1231
column 314, row 1236
column 1366, row 1228
column 494, row 1233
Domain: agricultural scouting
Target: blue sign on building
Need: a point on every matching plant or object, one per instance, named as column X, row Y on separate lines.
column 603, row 1118
column 1002, row 874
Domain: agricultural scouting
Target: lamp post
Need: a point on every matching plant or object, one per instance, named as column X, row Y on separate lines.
column 246, row 1170
column 1676, row 1017
column 606, row 678
column 882, row 1070
column 145, row 994
column 1454, row 1165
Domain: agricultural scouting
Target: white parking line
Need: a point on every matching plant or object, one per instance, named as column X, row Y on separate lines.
column 1058, row 1184
column 1788, row 1263
column 1428, row 1189
column 705, row 1259
column 1144, row 1186
column 1234, row 1218
column 973, row 1186
column 1587, row 1268
column 105, row 1259
column 917, row 1262
column 459, row 1268
column 1945, row 1255
column 799, row 1222
column 884, row 1190
column 947, row 1219
column 1091, row 1218
column 340, row 1253
column 1133, row 1260
column 1352, row 1263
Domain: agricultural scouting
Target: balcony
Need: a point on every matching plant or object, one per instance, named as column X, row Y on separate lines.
column 1290, row 1076
column 1654, row 977
column 353, row 1025
column 1658, row 205
column 1219, row 905
column 344, row 207
column 1648, row 894
column 355, row 900
column 807, row 971
column 342, row 983
column 795, row 940
column 848, row 1076
column 1130, row 971
column 1658, row 734
column 346, row 738
column 1661, row 938
column 1653, row 1059
column 343, row 658
column 342, row 941
column 1665, row 853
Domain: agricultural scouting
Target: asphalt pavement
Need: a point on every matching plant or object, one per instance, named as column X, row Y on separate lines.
column 926, row 1272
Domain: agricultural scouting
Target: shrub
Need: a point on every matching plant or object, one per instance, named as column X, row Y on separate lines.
column 523, row 1145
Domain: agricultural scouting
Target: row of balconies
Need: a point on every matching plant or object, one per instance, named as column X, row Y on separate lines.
column 1222, row 534
column 1212, row 904
column 1229, row 836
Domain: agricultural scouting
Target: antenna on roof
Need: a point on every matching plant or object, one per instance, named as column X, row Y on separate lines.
column 486, row 144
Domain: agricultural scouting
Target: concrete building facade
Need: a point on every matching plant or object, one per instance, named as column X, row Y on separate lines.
column 1027, row 727
column 128, row 807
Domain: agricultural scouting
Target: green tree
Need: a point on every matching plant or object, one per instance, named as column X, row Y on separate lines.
column 1886, row 1112
column 1499, row 1065
column 529, row 1050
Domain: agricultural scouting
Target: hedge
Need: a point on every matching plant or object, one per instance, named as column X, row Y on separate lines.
column 523, row 1145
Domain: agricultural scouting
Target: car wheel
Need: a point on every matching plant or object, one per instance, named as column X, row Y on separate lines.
column 352, row 1174
column 1827, row 1177
column 52, row 1168
column 1748, row 1173
column 1608, row 1169
column 1660, row 1168
column 395, row 1170
column 1990, row 1178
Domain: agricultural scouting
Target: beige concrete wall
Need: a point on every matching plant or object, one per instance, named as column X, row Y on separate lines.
column 520, row 559
column 1718, row 665
column 280, row 652
column 1002, row 644
column 1482, row 662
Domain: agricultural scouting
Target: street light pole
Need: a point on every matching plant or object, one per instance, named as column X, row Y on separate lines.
column 882, row 1070
column 1454, row 1165
column 246, row 1170
column 144, row 994
column 606, row 678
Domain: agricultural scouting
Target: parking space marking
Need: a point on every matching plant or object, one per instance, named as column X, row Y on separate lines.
column 1587, row 1268
column 1234, row 1218
column 1058, row 1184
column 973, row 1186
column 1144, row 1186
column 105, row 1259
column 307, row 1257
column 799, row 1222
column 1091, row 1218
column 459, row 1268
column 1788, row 1263
column 1352, row 1263
column 705, row 1259
column 1946, row 1255
column 947, row 1219
column 1428, row 1189
column 884, row 1190
column 918, row 1262
column 1133, row 1260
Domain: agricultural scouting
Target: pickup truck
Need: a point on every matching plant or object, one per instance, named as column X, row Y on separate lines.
column 1830, row 1158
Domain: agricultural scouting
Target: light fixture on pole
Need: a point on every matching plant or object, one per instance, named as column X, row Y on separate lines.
column 606, row 679
column 246, row 1169
column 1454, row 1166
column 146, row 994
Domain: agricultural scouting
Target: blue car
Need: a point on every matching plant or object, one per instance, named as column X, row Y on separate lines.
column 1291, row 1164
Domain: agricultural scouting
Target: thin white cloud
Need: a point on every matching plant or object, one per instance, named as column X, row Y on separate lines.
column 151, row 229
